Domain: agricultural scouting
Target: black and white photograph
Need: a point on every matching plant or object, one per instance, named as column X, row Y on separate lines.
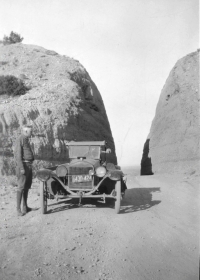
column 99, row 140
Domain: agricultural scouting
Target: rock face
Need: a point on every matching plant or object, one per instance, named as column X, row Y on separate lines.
column 146, row 165
column 62, row 105
column 174, row 135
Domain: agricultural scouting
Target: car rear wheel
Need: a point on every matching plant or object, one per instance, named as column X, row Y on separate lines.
column 118, row 196
column 43, row 197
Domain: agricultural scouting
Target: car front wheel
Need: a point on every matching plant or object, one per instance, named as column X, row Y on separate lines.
column 118, row 196
column 43, row 197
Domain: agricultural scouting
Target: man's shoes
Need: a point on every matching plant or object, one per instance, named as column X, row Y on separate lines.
column 20, row 213
column 30, row 209
column 27, row 209
column 24, row 210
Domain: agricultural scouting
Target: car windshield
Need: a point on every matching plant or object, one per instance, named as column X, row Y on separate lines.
column 84, row 151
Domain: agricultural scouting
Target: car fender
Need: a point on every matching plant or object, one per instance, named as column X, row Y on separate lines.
column 45, row 174
column 115, row 175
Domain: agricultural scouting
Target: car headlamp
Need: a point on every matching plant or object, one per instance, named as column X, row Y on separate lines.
column 61, row 171
column 43, row 174
column 100, row 171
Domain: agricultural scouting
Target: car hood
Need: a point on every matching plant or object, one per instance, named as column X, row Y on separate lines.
column 93, row 162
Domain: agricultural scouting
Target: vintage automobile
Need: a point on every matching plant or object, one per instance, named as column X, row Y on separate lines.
column 86, row 175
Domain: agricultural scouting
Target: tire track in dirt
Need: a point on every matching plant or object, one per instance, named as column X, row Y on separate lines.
column 153, row 237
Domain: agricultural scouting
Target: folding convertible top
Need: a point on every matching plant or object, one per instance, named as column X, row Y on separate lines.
column 87, row 143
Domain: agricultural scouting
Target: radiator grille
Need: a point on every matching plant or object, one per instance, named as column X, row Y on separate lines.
column 74, row 170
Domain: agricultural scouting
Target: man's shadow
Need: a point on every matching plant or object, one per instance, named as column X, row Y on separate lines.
column 136, row 199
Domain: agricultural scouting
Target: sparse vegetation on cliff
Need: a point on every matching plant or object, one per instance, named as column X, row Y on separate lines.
column 12, row 38
column 12, row 86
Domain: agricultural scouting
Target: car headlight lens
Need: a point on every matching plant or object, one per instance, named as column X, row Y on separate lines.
column 43, row 174
column 100, row 171
column 61, row 171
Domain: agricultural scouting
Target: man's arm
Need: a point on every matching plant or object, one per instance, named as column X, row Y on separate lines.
column 18, row 153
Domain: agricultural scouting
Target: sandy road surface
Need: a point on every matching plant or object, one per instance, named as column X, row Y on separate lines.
column 154, row 237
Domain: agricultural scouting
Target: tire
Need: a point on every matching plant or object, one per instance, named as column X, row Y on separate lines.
column 43, row 197
column 118, row 196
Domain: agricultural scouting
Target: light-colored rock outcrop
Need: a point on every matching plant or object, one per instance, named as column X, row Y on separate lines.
column 62, row 105
column 174, row 134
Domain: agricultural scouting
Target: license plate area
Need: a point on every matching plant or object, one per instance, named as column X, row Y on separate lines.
column 81, row 178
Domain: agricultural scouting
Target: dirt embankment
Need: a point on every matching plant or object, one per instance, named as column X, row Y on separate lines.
column 154, row 237
column 63, row 104
column 173, row 142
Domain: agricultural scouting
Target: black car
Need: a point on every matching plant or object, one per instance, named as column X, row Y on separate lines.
column 86, row 175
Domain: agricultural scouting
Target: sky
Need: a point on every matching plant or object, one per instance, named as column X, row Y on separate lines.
column 128, row 48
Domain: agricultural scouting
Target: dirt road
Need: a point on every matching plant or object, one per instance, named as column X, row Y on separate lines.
column 154, row 237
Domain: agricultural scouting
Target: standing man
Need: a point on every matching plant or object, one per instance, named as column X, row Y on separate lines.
column 24, row 158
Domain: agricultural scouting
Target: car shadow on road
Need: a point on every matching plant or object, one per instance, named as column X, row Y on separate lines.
column 138, row 199
column 62, row 205
column 73, row 203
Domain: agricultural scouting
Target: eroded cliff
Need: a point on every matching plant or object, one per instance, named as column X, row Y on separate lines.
column 63, row 104
column 174, row 134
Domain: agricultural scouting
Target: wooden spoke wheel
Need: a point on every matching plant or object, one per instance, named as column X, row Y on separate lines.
column 118, row 196
column 43, row 197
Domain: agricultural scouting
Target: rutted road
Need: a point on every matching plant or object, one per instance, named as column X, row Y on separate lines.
column 154, row 237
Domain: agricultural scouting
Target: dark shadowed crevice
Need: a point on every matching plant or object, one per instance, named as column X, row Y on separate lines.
column 146, row 165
